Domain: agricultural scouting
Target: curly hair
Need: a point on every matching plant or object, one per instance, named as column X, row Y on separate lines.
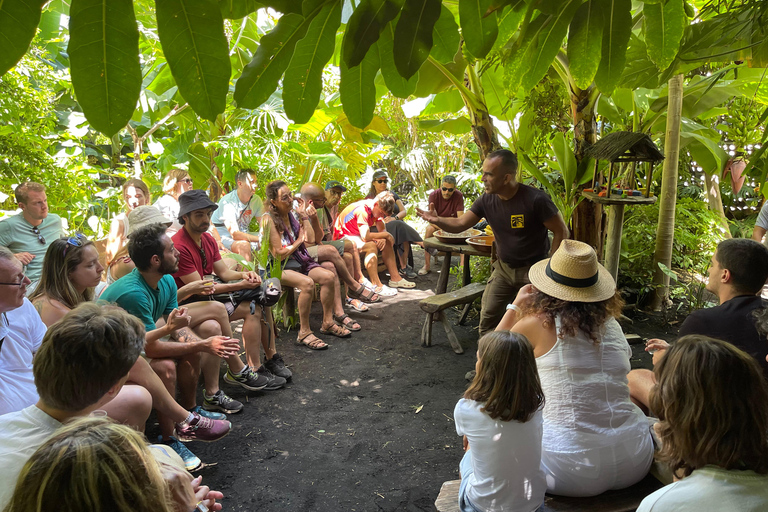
column 587, row 317
column 712, row 401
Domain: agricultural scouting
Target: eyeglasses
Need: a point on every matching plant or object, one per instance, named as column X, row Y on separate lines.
column 76, row 241
column 188, row 181
column 446, row 189
column 383, row 180
column 40, row 237
column 19, row 284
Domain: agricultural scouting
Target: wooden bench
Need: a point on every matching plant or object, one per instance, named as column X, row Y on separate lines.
column 623, row 500
column 437, row 303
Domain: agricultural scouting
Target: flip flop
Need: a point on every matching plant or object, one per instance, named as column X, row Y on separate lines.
column 346, row 322
column 314, row 343
column 423, row 271
column 336, row 330
column 357, row 305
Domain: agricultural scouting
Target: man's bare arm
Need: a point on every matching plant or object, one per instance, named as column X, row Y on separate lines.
column 450, row 224
column 557, row 226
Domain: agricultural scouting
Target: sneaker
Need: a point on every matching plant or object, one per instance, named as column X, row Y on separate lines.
column 248, row 379
column 201, row 428
column 191, row 461
column 218, row 402
column 275, row 382
column 276, row 366
column 410, row 274
column 210, row 414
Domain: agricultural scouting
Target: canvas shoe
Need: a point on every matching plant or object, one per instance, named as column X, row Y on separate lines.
column 275, row 382
column 248, row 379
column 191, row 461
column 218, row 402
column 200, row 428
column 276, row 366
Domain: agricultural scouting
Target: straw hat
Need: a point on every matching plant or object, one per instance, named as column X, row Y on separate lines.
column 145, row 215
column 573, row 274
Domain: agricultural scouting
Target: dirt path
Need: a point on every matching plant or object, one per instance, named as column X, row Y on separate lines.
column 365, row 425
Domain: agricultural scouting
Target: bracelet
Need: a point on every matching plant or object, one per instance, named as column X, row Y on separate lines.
column 200, row 507
column 514, row 307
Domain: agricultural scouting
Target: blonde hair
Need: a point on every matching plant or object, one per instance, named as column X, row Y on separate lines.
column 61, row 259
column 137, row 183
column 712, row 401
column 22, row 191
column 386, row 202
column 92, row 464
column 507, row 381
column 171, row 179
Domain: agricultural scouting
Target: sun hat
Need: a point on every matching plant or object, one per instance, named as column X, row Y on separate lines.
column 335, row 184
column 192, row 200
column 144, row 216
column 573, row 274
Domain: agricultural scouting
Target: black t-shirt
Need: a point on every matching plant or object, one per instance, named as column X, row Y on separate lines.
column 732, row 321
column 518, row 224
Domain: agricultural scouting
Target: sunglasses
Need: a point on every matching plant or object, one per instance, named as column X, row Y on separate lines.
column 383, row 180
column 204, row 258
column 188, row 181
column 40, row 237
column 446, row 189
column 75, row 241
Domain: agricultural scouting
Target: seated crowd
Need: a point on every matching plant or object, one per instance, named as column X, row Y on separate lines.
column 553, row 406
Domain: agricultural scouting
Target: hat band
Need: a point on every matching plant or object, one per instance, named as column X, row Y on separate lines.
column 570, row 281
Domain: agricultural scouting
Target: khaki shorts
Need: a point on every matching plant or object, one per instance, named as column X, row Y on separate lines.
column 338, row 244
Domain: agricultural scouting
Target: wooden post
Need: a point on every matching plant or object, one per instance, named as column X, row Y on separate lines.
column 613, row 242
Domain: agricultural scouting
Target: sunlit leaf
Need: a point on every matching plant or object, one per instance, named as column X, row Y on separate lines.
column 358, row 90
column 413, row 35
column 458, row 126
column 584, row 41
column 397, row 85
column 18, row 23
column 664, row 26
column 365, row 26
column 479, row 30
column 548, row 42
column 617, row 27
column 445, row 36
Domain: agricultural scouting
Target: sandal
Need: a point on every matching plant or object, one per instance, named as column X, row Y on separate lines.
column 347, row 322
column 357, row 305
column 313, row 343
column 423, row 271
column 336, row 330
column 364, row 294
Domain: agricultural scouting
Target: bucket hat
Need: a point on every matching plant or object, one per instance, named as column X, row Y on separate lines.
column 144, row 216
column 192, row 200
column 573, row 274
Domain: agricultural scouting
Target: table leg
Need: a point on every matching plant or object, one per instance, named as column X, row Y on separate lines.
column 467, row 277
column 451, row 335
column 442, row 282
column 426, row 331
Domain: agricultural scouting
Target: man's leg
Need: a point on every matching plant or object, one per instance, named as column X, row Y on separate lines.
column 350, row 249
column 330, row 254
column 326, row 279
column 131, row 406
column 162, row 394
column 370, row 253
column 388, row 254
column 251, row 332
column 166, row 371
column 427, row 257
column 243, row 248
column 501, row 289
column 338, row 304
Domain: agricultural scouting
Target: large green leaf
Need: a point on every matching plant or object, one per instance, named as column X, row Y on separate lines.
column 548, row 42
column 261, row 75
column 413, row 35
column 584, row 40
column 284, row 6
column 509, row 21
column 236, row 9
column 104, row 56
column 664, row 26
column 397, row 85
column 199, row 164
column 479, row 31
column 704, row 151
column 18, row 23
column 304, row 77
column 617, row 27
column 357, row 89
column 639, row 70
column 449, row 101
column 516, row 61
column 497, row 100
column 566, row 159
column 192, row 35
column 432, row 80
column 445, row 36
column 458, row 126
column 364, row 27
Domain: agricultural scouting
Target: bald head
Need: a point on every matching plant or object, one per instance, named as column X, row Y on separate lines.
column 312, row 191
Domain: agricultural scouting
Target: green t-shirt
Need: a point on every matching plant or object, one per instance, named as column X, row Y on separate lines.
column 132, row 293
column 16, row 234
column 232, row 209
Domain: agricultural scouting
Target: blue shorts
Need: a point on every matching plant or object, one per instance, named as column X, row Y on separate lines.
column 466, row 470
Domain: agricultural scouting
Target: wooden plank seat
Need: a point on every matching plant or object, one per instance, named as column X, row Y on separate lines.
column 435, row 304
column 622, row 500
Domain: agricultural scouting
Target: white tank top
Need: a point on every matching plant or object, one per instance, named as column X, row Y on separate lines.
column 586, row 391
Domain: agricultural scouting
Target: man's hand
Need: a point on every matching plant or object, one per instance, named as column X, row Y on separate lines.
column 206, row 495
column 24, row 257
column 657, row 348
column 310, row 210
column 177, row 319
column 390, row 238
column 429, row 216
column 222, row 346
column 202, row 287
column 253, row 278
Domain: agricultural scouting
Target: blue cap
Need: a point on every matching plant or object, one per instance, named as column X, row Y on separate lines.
column 335, row 184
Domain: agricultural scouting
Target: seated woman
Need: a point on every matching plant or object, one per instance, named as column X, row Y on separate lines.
column 403, row 234
column 595, row 438
column 135, row 193
column 176, row 182
column 712, row 401
column 70, row 272
column 287, row 233
column 501, row 421
column 94, row 464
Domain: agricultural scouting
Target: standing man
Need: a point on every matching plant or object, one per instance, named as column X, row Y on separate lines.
column 446, row 201
column 199, row 257
column 520, row 217
column 28, row 235
column 236, row 210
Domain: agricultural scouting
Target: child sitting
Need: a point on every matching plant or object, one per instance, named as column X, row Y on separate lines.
column 500, row 418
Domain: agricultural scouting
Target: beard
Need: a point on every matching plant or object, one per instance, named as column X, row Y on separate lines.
column 169, row 268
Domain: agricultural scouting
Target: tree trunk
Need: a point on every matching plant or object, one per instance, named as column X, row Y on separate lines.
column 665, row 230
column 715, row 201
column 485, row 134
column 587, row 219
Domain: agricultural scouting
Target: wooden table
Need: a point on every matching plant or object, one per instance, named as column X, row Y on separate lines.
column 448, row 250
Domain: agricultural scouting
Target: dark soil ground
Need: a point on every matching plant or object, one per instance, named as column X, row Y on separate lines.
column 365, row 425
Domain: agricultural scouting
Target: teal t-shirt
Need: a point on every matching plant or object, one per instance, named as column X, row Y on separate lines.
column 132, row 293
column 231, row 208
column 16, row 234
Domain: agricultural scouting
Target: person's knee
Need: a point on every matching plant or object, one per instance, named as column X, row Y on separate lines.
column 208, row 328
column 165, row 369
column 326, row 277
column 306, row 285
column 139, row 401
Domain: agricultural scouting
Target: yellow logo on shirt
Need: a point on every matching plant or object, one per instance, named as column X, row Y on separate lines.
column 517, row 221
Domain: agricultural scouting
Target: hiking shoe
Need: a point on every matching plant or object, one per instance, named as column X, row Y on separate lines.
column 218, row 402
column 201, row 428
column 210, row 414
column 275, row 382
column 248, row 379
column 409, row 273
column 276, row 366
column 191, row 461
